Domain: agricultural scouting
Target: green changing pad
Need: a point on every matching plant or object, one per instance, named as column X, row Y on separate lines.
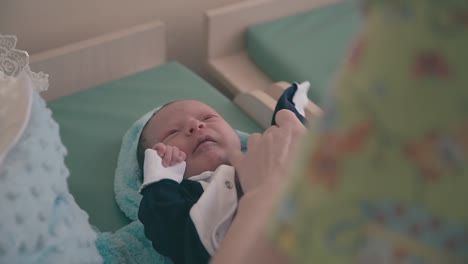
column 93, row 122
column 308, row 46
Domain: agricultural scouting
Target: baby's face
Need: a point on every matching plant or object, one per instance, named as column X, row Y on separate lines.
column 196, row 129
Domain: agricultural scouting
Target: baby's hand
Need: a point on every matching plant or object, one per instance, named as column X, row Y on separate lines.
column 170, row 155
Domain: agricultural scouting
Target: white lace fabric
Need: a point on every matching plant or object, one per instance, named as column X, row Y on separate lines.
column 17, row 82
column 40, row 221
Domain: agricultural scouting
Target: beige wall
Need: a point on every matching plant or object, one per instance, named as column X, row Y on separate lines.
column 46, row 24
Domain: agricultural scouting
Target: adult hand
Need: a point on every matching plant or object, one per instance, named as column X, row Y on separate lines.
column 269, row 154
column 260, row 170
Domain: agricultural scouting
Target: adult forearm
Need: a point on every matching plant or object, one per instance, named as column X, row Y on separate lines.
column 246, row 240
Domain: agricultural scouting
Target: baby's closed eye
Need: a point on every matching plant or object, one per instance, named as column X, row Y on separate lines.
column 208, row 117
column 173, row 131
column 169, row 134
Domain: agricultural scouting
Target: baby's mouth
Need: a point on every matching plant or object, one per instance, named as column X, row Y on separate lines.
column 203, row 143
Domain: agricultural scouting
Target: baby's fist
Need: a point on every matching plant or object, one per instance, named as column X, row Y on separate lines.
column 170, row 155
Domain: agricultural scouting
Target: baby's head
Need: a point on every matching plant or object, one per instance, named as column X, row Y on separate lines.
column 196, row 129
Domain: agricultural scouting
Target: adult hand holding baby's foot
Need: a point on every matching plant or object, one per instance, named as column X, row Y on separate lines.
column 170, row 155
column 286, row 119
column 260, row 171
column 269, row 154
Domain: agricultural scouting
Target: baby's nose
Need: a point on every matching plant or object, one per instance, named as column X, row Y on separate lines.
column 195, row 125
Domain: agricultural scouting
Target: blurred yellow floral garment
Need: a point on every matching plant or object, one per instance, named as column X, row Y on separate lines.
column 384, row 177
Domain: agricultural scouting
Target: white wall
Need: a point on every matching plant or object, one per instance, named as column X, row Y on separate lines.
column 46, row 24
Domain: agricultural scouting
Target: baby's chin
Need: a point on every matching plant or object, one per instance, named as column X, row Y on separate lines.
column 209, row 164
